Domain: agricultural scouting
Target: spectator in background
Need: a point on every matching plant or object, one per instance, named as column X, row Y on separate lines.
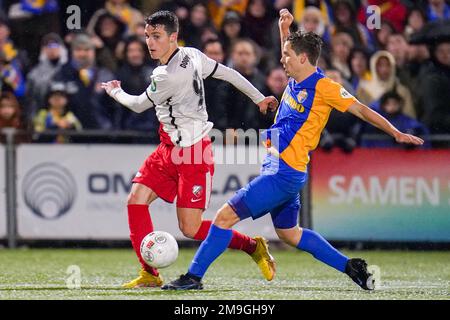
column 82, row 79
column 391, row 107
column 434, row 89
column 345, row 21
column 122, row 10
column 215, row 89
column 299, row 7
column 438, row 10
column 340, row 130
column 415, row 21
column 56, row 116
column 53, row 56
column 197, row 22
column 276, row 82
column 107, row 35
column 30, row 21
column 391, row 10
column 359, row 66
column 10, row 111
column 382, row 34
column 257, row 21
column 384, row 79
column 11, row 64
column 135, row 77
column 341, row 46
column 312, row 21
column 241, row 112
column 218, row 10
column 409, row 60
column 11, row 76
column 231, row 30
column 208, row 33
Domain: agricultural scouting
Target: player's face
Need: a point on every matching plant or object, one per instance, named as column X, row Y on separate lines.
column 158, row 41
column 292, row 63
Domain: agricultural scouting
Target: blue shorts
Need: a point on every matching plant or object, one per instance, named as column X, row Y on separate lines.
column 276, row 191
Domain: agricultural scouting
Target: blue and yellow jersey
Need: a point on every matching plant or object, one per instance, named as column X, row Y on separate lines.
column 303, row 113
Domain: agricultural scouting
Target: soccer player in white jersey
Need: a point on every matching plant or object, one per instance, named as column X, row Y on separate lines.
column 182, row 165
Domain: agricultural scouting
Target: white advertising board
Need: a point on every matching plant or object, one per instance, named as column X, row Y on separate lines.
column 80, row 192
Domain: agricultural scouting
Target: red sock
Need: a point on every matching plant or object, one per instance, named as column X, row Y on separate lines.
column 239, row 241
column 140, row 225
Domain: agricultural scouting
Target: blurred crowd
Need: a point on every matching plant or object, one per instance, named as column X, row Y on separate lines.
column 50, row 74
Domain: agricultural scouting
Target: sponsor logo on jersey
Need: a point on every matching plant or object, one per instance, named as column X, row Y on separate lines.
column 345, row 94
column 153, row 86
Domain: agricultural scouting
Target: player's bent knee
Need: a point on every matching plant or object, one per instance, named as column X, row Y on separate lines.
column 140, row 194
column 188, row 231
column 288, row 237
column 226, row 217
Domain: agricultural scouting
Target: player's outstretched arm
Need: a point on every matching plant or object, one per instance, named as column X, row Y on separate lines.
column 365, row 113
column 284, row 22
column 237, row 80
column 136, row 103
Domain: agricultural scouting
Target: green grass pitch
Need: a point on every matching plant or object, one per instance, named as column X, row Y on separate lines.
column 41, row 274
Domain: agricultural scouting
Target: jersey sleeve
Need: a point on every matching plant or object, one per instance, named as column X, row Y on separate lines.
column 335, row 95
column 209, row 66
column 158, row 92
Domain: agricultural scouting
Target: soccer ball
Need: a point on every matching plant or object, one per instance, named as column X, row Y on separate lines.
column 159, row 249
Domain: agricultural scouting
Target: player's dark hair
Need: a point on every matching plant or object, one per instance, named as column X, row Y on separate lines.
column 308, row 43
column 164, row 18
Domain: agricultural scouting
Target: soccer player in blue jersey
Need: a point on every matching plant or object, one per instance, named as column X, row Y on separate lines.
column 301, row 117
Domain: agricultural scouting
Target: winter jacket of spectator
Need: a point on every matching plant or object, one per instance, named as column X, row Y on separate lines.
column 135, row 80
column 90, row 104
column 434, row 92
column 39, row 79
column 242, row 112
column 216, row 105
column 376, row 87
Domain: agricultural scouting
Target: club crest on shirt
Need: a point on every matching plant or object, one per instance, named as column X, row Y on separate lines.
column 197, row 191
column 302, row 96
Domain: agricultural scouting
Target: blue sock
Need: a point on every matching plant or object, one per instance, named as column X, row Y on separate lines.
column 322, row 250
column 211, row 248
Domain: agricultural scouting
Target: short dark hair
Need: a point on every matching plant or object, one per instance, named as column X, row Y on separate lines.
column 164, row 18
column 211, row 41
column 391, row 95
column 308, row 43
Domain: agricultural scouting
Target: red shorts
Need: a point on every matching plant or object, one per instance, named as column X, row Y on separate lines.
column 185, row 173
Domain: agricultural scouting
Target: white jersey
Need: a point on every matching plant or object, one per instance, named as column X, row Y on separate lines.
column 177, row 92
